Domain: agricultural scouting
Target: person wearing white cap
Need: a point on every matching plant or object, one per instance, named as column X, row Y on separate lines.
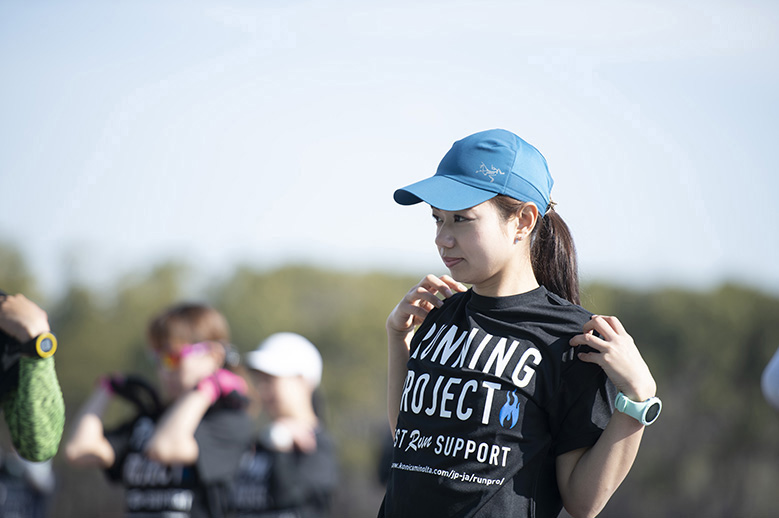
column 293, row 467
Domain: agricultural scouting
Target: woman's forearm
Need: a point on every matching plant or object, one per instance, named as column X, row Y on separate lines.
column 173, row 441
column 398, row 352
column 587, row 478
column 86, row 445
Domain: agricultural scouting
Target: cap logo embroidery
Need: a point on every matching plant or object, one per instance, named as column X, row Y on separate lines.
column 491, row 172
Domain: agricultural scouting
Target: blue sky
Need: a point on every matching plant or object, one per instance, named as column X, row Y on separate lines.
column 225, row 133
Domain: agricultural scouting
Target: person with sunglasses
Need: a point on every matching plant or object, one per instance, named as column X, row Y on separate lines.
column 178, row 454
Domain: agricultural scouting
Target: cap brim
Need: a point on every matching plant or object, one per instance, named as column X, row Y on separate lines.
column 443, row 192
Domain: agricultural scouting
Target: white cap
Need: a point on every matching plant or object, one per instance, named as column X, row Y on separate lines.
column 287, row 354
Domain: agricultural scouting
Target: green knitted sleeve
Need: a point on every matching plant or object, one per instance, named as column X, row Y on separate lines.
column 35, row 410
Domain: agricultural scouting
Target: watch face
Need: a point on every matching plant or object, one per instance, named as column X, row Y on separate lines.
column 46, row 345
column 652, row 412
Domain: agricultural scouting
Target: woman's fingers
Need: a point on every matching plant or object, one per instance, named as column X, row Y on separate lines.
column 601, row 333
column 616, row 353
column 606, row 326
column 589, row 339
column 420, row 300
column 453, row 284
column 444, row 285
column 421, row 295
column 431, row 287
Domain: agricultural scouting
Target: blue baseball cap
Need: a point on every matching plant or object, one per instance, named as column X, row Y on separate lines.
column 478, row 168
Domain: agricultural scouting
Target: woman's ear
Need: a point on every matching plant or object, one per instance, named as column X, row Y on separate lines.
column 527, row 217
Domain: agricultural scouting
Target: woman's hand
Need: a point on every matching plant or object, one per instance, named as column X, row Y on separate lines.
column 409, row 313
column 22, row 318
column 287, row 434
column 419, row 301
column 617, row 355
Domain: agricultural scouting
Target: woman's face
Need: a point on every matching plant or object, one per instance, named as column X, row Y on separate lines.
column 478, row 246
column 181, row 366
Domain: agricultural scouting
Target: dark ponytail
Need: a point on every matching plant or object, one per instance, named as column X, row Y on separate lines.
column 553, row 256
column 552, row 252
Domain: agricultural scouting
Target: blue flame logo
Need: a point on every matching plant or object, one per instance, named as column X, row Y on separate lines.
column 510, row 411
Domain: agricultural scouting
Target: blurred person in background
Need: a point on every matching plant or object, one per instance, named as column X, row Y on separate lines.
column 292, row 472
column 33, row 406
column 174, row 458
column 30, row 393
column 26, row 487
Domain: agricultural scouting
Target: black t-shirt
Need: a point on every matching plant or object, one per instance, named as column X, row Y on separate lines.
column 493, row 394
column 154, row 490
column 274, row 484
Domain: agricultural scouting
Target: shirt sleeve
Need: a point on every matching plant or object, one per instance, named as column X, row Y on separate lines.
column 223, row 436
column 584, row 407
column 35, row 410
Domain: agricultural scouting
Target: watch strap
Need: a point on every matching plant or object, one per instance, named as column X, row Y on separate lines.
column 42, row 346
column 645, row 412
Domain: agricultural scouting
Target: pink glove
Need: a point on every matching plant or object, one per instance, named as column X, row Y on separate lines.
column 104, row 382
column 222, row 383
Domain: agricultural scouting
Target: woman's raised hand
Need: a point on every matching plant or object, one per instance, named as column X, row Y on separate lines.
column 22, row 318
column 617, row 355
column 414, row 307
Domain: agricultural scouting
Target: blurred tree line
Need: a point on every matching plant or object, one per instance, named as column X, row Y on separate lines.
column 714, row 451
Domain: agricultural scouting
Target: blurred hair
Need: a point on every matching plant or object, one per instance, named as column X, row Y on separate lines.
column 552, row 251
column 188, row 323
